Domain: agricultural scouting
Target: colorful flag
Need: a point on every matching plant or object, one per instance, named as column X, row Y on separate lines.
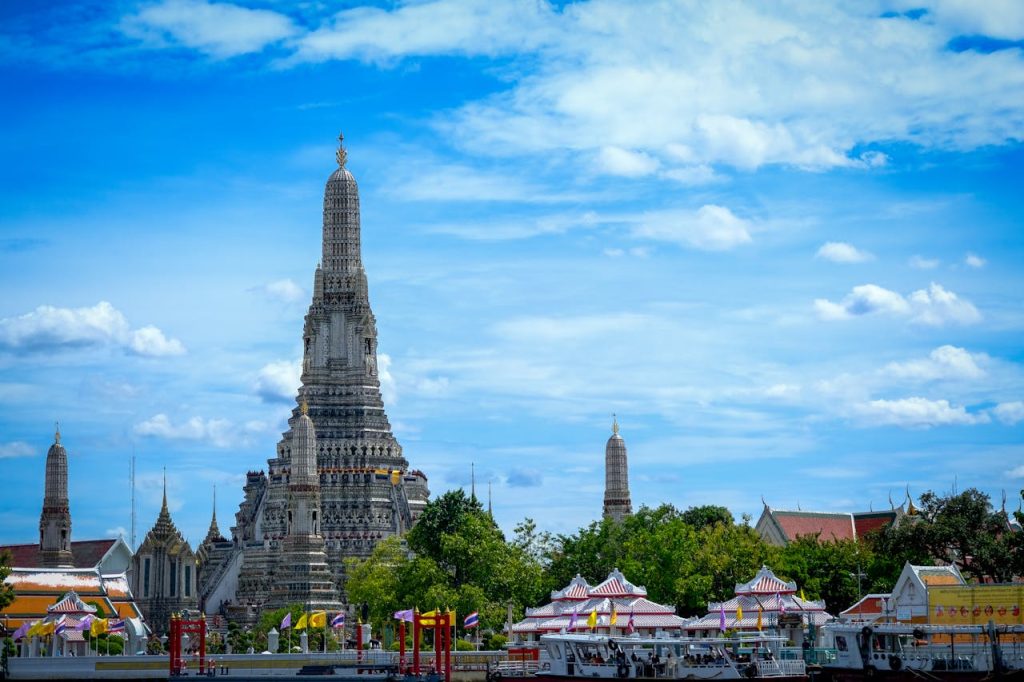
column 86, row 621
column 472, row 620
column 33, row 630
column 758, row 616
column 782, row 605
column 630, row 627
column 318, row 619
column 406, row 615
column 61, row 625
column 338, row 621
column 48, row 628
column 721, row 617
column 286, row 622
column 115, row 626
column 301, row 625
column 802, row 594
column 21, row 632
column 592, row 620
column 739, row 613
column 615, row 615
column 572, row 620
column 98, row 626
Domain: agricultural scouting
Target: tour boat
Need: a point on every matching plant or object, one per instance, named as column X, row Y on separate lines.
column 587, row 656
column 902, row 651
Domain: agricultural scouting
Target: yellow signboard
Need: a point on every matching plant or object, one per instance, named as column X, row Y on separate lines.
column 975, row 604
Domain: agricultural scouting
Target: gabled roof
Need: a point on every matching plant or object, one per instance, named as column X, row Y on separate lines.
column 766, row 582
column 869, row 607
column 84, row 553
column 826, row 525
column 578, row 588
column 938, row 575
column 870, row 522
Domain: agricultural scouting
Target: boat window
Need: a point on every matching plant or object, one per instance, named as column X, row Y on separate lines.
column 840, row 643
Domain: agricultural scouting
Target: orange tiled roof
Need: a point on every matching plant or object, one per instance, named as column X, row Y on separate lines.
column 828, row 526
column 30, row 605
column 126, row 609
column 939, row 579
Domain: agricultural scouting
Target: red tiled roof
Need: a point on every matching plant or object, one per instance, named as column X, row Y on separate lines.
column 85, row 553
column 869, row 605
column 826, row 525
column 869, row 522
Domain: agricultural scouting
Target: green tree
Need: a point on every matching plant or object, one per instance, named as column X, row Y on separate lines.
column 444, row 515
column 707, row 515
column 6, row 590
column 826, row 570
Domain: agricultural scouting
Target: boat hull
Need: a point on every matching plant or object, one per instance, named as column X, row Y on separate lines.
column 716, row 675
column 860, row 675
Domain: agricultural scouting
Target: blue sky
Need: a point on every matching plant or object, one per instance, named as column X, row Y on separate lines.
column 782, row 243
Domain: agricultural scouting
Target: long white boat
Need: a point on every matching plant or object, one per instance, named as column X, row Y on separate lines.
column 948, row 653
column 573, row 656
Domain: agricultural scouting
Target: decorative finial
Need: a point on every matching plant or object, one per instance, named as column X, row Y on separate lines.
column 165, row 490
column 304, row 407
column 615, row 424
column 341, row 155
column 56, row 435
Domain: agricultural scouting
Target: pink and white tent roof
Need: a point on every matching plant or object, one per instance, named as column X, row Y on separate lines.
column 766, row 582
column 71, row 603
column 615, row 593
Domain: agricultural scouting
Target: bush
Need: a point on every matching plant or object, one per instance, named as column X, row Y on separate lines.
column 495, row 642
column 463, row 645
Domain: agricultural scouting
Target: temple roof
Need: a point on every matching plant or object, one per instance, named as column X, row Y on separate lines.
column 85, row 553
column 71, row 604
column 869, row 607
column 616, row 585
column 827, row 525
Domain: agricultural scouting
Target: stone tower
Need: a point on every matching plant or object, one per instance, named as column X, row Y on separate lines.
column 55, row 520
column 303, row 575
column 617, row 504
column 366, row 490
column 164, row 572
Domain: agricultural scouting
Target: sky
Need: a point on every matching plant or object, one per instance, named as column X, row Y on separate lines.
column 781, row 243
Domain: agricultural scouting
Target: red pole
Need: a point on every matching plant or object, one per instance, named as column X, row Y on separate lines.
column 416, row 642
column 448, row 647
column 202, row 644
column 401, row 647
column 438, row 636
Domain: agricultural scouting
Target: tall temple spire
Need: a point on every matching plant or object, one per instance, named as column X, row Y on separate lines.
column 55, row 519
column 617, row 504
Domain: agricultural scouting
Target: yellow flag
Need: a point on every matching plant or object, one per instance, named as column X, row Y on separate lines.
column 615, row 615
column 47, row 628
column 739, row 612
column 802, row 594
column 301, row 625
column 759, row 617
column 318, row 619
column 98, row 626
column 592, row 620
column 34, row 630
column 427, row 617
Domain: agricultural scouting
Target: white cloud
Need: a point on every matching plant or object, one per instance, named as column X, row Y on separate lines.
column 934, row 306
column 751, row 86
column 284, row 290
column 937, row 306
column 1009, row 413
column 16, row 449
column 220, row 29
column 974, row 260
column 922, row 263
column 469, row 27
column 710, row 228
column 945, row 362
column 841, row 252
column 995, row 18
column 278, row 382
column 150, row 341
column 218, row 432
column 48, row 327
column 388, row 387
column 116, row 532
column 618, row 161
column 1017, row 472
column 916, row 412
column 561, row 329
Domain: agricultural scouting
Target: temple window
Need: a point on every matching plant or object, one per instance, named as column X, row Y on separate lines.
column 174, row 578
column 145, row 577
column 188, row 580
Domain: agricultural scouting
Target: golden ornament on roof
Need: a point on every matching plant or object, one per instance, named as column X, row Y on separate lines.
column 341, row 155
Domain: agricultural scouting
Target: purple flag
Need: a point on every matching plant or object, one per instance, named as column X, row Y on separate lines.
column 406, row 615
column 286, row 622
column 572, row 620
column 85, row 622
column 782, row 605
column 20, row 632
column 721, row 617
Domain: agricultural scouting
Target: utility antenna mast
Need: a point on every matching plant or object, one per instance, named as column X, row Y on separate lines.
column 131, row 476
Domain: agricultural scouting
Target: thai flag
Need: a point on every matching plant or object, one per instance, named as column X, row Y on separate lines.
column 472, row 620
column 61, row 626
column 630, row 626
column 338, row 621
column 115, row 625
